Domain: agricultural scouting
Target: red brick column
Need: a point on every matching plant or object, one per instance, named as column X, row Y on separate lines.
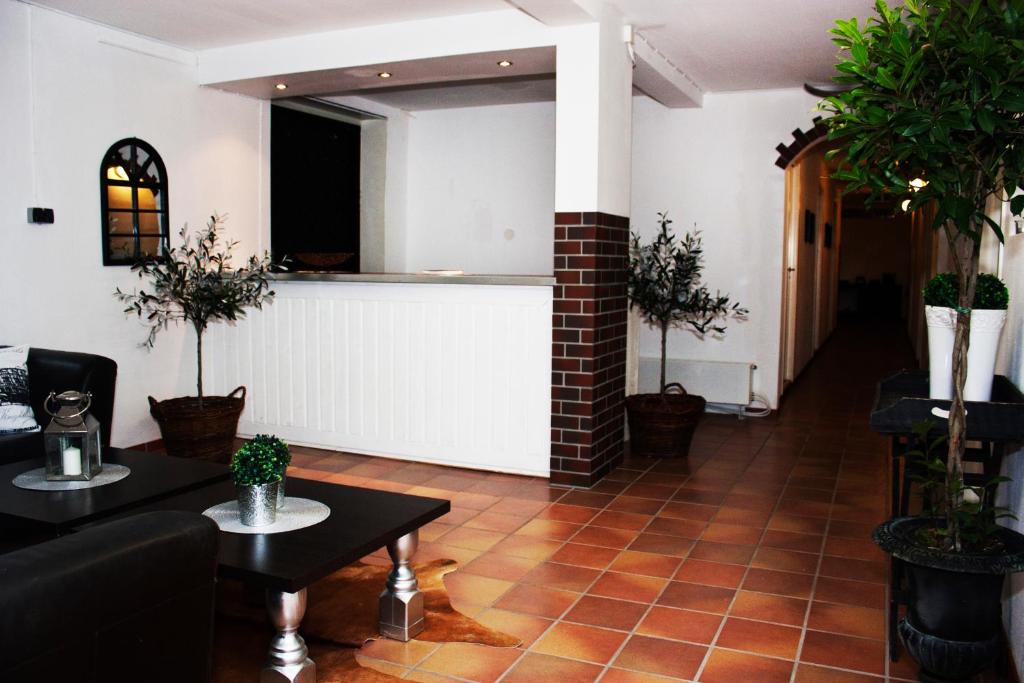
column 588, row 378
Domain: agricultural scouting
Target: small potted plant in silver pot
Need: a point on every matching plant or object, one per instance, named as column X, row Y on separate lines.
column 256, row 471
column 282, row 457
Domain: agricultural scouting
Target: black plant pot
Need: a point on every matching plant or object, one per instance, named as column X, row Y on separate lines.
column 952, row 627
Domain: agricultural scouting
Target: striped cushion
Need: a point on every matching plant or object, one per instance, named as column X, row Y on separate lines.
column 15, row 412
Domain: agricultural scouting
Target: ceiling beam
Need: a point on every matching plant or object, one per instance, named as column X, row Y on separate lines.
column 662, row 80
column 553, row 12
column 383, row 44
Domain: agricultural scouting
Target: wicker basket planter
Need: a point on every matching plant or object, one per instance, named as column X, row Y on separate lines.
column 662, row 425
column 206, row 433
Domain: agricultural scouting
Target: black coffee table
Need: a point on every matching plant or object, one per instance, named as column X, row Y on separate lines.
column 57, row 512
column 284, row 564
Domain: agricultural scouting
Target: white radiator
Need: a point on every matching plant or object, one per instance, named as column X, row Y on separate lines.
column 716, row 381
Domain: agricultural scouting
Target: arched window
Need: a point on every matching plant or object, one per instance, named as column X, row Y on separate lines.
column 133, row 197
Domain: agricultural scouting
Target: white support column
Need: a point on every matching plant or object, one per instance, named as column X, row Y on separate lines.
column 593, row 119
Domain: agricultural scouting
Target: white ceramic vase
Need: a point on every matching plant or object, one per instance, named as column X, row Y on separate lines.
column 941, row 332
column 986, row 326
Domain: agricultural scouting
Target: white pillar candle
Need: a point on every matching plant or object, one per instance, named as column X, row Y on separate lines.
column 72, row 461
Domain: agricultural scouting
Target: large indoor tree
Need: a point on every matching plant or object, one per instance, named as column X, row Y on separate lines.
column 936, row 93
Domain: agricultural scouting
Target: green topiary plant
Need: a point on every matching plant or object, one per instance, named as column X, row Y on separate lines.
column 260, row 461
column 941, row 291
column 990, row 294
column 278, row 448
column 936, row 95
column 664, row 280
column 196, row 284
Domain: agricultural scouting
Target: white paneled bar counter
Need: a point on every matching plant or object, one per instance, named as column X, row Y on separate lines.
column 454, row 370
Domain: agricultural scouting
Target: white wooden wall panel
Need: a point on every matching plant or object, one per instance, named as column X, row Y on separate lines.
column 450, row 374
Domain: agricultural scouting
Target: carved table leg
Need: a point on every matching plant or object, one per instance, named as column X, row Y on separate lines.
column 401, row 603
column 288, row 660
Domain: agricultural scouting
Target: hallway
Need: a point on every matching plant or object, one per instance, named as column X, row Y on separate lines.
column 750, row 561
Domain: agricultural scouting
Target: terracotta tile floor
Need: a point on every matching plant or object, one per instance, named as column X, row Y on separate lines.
column 748, row 561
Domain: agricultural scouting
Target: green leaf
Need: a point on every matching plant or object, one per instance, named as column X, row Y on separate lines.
column 1012, row 101
column 901, row 44
column 859, row 54
column 885, row 79
column 996, row 228
column 1017, row 205
column 916, row 128
column 986, row 121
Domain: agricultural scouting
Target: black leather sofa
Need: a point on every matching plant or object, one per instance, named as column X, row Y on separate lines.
column 129, row 600
column 50, row 370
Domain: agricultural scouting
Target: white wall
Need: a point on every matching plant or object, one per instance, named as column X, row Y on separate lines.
column 72, row 89
column 1011, row 364
column 715, row 167
column 481, row 189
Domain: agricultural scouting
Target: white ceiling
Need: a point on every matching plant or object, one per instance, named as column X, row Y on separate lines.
column 744, row 44
column 721, row 44
column 201, row 24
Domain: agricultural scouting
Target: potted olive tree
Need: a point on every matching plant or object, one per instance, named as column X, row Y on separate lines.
column 934, row 92
column 194, row 283
column 988, row 315
column 664, row 280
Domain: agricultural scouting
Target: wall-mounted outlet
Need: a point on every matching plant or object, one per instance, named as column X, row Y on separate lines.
column 40, row 215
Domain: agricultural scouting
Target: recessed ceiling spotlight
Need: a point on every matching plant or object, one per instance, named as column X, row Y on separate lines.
column 384, row 74
column 281, row 86
column 504, row 63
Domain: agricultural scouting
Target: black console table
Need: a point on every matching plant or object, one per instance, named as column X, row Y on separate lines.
column 900, row 403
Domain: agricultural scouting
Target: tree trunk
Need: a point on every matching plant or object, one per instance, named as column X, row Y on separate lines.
column 965, row 253
column 199, row 363
column 664, row 337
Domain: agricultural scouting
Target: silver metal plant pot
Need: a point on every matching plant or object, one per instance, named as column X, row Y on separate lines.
column 257, row 505
column 280, row 491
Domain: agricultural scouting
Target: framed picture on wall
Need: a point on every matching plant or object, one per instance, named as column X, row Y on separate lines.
column 809, row 226
column 828, row 235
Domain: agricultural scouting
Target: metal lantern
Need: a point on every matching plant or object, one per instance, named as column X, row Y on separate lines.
column 72, row 438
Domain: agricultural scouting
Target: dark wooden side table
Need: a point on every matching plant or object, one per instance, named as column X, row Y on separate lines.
column 900, row 403
column 284, row 564
column 54, row 513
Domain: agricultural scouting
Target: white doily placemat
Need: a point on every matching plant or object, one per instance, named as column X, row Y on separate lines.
column 35, row 480
column 297, row 513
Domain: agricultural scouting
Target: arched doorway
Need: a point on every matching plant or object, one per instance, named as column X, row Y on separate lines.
column 811, row 238
column 843, row 259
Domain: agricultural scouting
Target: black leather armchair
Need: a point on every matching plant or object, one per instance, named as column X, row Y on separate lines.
column 130, row 600
column 59, row 371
